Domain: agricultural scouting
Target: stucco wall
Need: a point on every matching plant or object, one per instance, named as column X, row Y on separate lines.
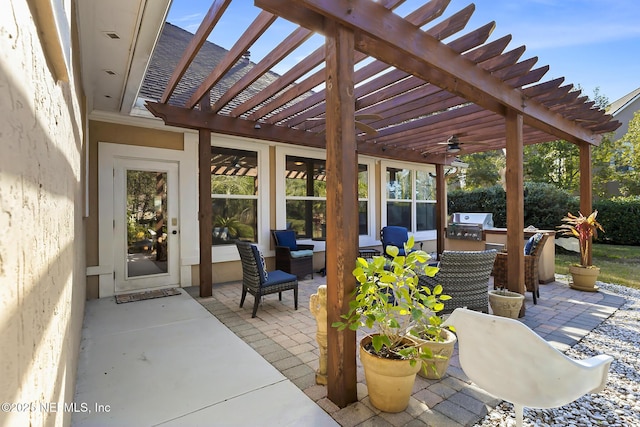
column 42, row 285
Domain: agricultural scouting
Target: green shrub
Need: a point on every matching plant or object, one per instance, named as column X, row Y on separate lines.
column 546, row 205
column 620, row 219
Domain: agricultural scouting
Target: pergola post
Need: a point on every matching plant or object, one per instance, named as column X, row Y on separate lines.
column 205, row 211
column 515, row 204
column 586, row 202
column 342, row 212
column 441, row 207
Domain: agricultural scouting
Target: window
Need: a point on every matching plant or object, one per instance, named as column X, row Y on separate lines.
column 306, row 197
column 410, row 198
column 234, row 190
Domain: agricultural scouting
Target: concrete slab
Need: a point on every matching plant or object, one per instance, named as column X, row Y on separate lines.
column 157, row 361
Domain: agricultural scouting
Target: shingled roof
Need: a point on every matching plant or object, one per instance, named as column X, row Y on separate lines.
column 172, row 42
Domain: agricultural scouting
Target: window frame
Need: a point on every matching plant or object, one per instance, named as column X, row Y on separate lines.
column 422, row 235
column 222, row 253
column 282, row 151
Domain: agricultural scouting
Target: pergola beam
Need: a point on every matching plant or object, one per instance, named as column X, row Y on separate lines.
column 196, row 119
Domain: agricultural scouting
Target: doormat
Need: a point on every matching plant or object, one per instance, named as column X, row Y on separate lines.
column 139, row 296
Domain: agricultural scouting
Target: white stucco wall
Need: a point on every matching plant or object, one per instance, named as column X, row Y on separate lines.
column 42, row 284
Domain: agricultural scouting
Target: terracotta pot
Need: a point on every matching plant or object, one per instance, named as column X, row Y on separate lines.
column 389, row 381
column 584, row 278
column 505, row 303
column 435, row 368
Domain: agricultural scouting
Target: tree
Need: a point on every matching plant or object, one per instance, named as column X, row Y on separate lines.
column 555, row 162
column 484, row 169
column 628, row 159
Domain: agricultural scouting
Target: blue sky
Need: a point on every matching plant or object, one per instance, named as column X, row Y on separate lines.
column 592, row 43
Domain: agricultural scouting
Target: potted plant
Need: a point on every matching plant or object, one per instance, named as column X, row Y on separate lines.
column 436, row 341
column 389, row 303
column 505, row 303
column 584, row 228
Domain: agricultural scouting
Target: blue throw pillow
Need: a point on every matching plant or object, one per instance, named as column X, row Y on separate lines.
column 262, row 266
column 532, row 243
column 287, row 238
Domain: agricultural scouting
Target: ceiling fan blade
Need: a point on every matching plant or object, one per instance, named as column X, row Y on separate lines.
column 366, row 128
column 368, row 117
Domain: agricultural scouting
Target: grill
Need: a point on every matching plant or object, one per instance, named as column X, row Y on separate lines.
column 469, row 226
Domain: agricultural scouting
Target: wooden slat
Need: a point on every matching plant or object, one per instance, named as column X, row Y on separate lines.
column 391, row 39
column 295, row 39
column 531, row 77
column 206, row 26
column 384, row 86
column 314, row 23
column 419, row 17
column 296, row 90
column 297, row 71
column 404, row 108
column 255, row 30
column 453, row 24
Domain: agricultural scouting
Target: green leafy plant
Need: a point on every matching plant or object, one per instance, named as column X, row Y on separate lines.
column 584, row 228
column 390, row 302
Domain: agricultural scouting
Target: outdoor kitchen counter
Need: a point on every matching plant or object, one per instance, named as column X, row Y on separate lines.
column 498, row 236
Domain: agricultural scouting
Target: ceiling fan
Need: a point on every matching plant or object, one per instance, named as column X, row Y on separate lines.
column 454, row 145
column 359, row 123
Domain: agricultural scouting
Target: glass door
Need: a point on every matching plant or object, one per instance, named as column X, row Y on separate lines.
column 146, row 225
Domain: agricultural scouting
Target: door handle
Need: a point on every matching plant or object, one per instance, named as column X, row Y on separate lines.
column 174, row 232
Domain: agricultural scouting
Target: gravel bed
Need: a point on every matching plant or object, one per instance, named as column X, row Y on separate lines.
column 619, row 403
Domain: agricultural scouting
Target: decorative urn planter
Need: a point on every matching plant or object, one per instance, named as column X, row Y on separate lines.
column 584, row 278
column 505, row 303
column 435, row 368
column 389, row 381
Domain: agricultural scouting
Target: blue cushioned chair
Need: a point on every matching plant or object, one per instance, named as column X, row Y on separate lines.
column 292, row 257
column 394, row 235
column 257, row 281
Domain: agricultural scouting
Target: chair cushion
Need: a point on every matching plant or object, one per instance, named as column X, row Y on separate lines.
column 286, row 238
column 262, row 267
column 302, row 253
column 531, row 244
column 277, row 277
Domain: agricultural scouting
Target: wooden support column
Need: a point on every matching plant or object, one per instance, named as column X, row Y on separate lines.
column 441, row 207
column 342, row 212
column 515, row 204
column 205, row 211
column 586, row 202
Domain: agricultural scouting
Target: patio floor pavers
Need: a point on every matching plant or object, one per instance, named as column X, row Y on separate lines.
column 562, row 316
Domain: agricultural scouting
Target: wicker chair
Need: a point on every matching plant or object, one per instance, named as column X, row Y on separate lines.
column 531, row 261
column 290, row 256
column 464, row 275
column 257, row 281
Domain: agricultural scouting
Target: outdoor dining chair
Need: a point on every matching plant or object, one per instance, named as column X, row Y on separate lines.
column 464, row 275
column 257, row 281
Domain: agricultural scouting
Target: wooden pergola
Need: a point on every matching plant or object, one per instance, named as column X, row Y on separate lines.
column 424, row 84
